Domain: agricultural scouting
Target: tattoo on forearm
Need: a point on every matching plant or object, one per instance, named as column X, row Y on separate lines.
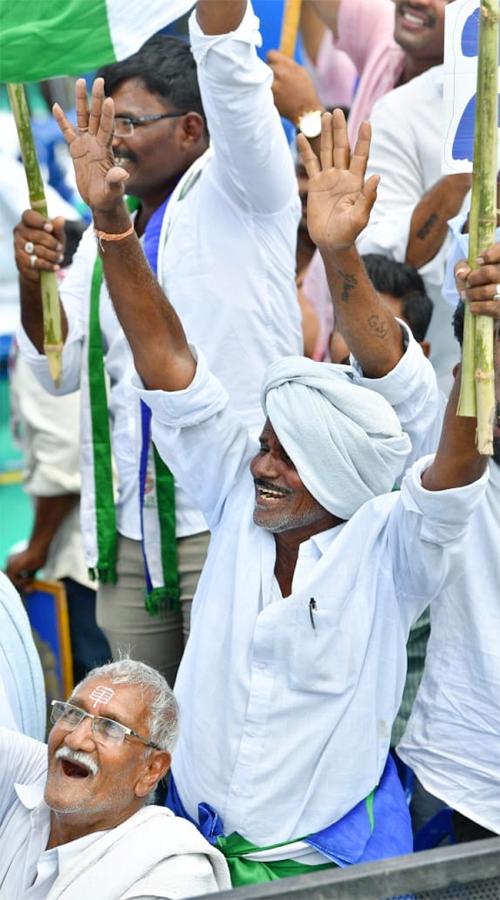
column 427, row 227
column 349, row 282
column 378, row 326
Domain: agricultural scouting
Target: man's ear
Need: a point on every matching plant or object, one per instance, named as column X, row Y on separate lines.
column 156, row 765
column 426, row 348
column 193, row 128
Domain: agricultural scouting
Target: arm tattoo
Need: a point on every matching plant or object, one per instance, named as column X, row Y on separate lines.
column 378, row 326
column 349, row 282
column 428, row 225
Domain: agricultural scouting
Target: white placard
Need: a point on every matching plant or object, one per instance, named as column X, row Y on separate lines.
column 460, row 75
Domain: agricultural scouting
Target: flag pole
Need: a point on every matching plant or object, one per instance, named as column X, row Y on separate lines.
column 52, row 332
column 477, row 389
column 290, row 26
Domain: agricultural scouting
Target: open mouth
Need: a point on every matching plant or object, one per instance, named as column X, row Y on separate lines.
column 265, row 494
column 415, row 20
column 74, row 770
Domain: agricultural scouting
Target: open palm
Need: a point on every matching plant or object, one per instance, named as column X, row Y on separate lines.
column 339, row 200
column 100, row 182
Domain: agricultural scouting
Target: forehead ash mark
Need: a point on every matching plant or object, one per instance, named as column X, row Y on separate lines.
column 101, row 694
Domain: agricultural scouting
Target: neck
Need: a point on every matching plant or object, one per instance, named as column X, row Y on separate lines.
column 67, row 827
column 414, row 67
column 287, row 549
column 150, row 204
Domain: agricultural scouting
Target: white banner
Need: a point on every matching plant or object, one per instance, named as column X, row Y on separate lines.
column 460, row 77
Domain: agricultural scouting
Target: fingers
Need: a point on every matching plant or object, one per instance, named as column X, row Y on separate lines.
column 105, row 132
column 490, row 256
column 486, row 308
column 81, row 105
column 341, row 149
column 359, row 159
column 364, row 203
column 65, row 126
column 308, row 157
column 96, row 103
column 326, row 146
column 36, row 247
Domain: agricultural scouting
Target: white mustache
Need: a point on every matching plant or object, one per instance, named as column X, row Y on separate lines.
column 83, row 759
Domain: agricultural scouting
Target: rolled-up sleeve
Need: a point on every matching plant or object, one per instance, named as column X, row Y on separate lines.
column 252, row 158
column 427, row 531
column 199, row 438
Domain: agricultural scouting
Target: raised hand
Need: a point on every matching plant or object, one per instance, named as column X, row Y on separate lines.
column 339, row 199
column 100, row 182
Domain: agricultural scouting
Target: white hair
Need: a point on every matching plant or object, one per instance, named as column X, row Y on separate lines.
column 163, row 709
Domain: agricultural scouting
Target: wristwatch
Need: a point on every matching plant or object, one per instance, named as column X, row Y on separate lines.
column 309, row 123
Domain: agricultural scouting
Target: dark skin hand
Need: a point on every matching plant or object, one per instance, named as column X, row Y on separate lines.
column 338, row 209
column 50, row 512
column 161, row 353
column 47, row 236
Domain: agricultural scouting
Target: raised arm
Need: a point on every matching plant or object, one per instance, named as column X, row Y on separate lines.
column 338, row 208
column 161, row 354
column 328, row 11
column 252, row 163
column 220, row 16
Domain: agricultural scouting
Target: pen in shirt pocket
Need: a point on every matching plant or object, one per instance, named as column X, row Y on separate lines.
column 312, row 609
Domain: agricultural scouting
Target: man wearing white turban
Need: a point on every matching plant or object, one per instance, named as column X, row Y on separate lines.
column 296, row 660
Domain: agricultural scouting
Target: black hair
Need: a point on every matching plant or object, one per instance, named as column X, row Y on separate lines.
column 167, row 69
column 458, row 322
column 403, row 282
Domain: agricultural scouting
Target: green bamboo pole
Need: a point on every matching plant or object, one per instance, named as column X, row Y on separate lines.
column 478, row 368
column 52, row 332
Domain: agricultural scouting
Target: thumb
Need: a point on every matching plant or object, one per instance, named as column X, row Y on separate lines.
column 116, row 176
column 369, row 192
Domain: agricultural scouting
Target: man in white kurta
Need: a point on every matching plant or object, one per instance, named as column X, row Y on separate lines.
column 226, row 257
column 296, row 661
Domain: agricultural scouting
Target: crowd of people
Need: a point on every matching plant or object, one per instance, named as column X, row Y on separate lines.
column 291, row 661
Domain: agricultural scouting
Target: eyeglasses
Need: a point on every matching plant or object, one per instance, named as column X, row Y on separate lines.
column 124, row 125
column 105, row 731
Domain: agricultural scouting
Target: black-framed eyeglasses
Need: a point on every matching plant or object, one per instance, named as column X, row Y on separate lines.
column 124, row 125
column 105, row 731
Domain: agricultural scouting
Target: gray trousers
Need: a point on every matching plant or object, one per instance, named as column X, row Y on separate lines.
column 156, row 640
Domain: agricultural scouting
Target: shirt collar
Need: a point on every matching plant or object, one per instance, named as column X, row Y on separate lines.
column 31, row 795
column 323, row 539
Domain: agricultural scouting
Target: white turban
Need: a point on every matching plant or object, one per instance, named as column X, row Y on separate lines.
column 345, row 441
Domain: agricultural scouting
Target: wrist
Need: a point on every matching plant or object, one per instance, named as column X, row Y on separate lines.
column 340, row 251
column 113, row 221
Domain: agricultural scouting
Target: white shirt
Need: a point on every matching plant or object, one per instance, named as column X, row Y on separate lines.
column 452, row 740
column 228, row 265
column 304, row 729
column 47, row 428
column 408, row 158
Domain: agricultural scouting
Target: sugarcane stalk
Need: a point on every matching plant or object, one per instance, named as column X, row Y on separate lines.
column 290, row 26
column 479, row 330
column 52, row 331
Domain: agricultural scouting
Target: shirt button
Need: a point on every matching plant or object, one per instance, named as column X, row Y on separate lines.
column 261, row 665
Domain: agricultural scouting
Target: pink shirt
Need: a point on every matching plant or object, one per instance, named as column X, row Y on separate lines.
column 366, row 33
column 334, row 74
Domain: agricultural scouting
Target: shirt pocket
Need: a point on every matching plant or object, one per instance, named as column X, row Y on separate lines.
column 323, row 658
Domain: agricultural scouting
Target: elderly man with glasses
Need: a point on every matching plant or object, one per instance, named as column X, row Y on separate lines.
column 74, row 821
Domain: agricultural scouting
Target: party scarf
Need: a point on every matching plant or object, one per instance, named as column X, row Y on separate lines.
column 156, row 485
